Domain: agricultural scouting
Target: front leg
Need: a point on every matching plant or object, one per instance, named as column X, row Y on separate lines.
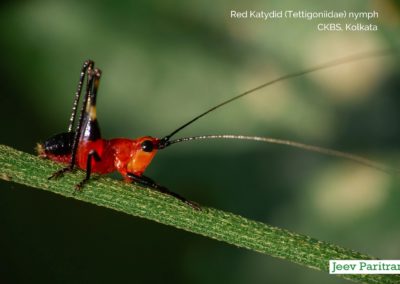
column 148, row 182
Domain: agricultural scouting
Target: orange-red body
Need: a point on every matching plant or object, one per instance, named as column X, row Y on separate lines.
column 120, row 154
column 86, row 149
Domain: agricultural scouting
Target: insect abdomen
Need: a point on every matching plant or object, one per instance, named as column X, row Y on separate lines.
column 59, row 144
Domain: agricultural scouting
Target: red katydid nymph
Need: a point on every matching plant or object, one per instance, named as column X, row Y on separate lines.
column 84, row 147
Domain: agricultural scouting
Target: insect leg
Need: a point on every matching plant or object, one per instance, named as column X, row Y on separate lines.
column 92, row 154
column 146, row 181
column 90, row 130
column 86, row 65
column 89, row 90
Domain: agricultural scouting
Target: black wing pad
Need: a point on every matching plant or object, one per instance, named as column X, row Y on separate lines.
column 60, row 144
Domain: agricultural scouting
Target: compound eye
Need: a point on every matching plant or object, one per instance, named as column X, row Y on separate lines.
column 147, row 146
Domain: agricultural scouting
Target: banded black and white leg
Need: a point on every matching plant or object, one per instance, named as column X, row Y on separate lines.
column 93, row 78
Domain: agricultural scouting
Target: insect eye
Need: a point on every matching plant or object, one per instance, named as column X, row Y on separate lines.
column 147, row 146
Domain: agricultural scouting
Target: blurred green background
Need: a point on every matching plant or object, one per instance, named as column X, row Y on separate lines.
column 164, row 62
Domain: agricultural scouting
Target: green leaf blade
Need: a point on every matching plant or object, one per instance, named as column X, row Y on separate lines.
column 32, row 171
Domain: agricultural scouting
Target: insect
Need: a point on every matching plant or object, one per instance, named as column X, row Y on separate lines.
column 84, row 147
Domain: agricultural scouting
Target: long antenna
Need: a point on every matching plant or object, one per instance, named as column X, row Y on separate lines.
column 333, row 63
column 311, row 148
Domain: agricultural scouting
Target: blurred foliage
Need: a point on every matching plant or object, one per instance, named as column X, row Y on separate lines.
column 164, row 62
